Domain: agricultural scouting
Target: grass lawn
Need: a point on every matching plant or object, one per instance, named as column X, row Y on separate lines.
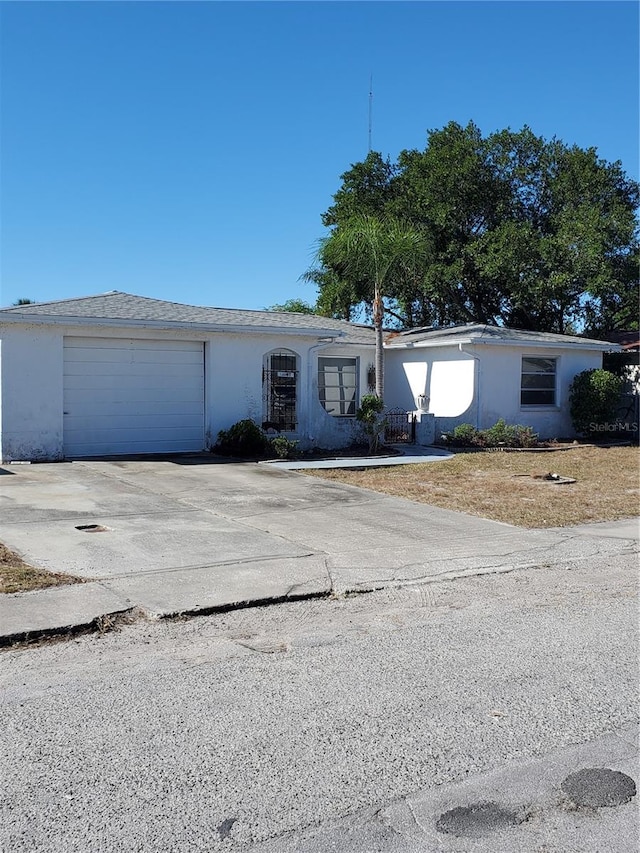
column 491, row 485
column 17, row 576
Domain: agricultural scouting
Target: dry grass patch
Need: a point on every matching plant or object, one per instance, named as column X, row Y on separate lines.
column 607, row 485
column 18, row 576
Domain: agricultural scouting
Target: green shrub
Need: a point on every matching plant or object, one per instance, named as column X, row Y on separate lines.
column 464, row 435
column 284, row 447
column 500, row 434
column 524, row 436
column 368, row 415
column 244, row 438
column 594, row 397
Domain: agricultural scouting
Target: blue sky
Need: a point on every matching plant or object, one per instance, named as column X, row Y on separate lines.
column 186, row 151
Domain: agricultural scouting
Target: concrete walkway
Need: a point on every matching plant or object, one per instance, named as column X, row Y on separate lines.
column 408, row 454
column 191, row 535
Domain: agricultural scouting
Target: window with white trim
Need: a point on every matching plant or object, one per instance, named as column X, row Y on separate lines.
column 538, row 381
column 338, row 385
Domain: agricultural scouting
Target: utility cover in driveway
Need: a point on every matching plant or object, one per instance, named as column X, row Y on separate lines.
column 132, row 396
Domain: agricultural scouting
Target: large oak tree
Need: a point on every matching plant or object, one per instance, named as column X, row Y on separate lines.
column 516, row 230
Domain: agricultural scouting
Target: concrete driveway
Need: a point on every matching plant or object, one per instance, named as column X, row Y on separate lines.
column 195, row 533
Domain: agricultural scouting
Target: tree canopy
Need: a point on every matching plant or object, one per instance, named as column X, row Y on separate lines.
column 514, row 230
column 293, row 306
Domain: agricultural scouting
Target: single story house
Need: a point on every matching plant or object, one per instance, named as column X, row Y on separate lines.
column 478, row 374
column 117, row 374
column 122, row 374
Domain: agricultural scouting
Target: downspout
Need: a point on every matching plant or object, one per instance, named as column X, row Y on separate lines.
column 477, row 388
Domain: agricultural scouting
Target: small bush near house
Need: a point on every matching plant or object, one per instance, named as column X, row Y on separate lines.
column 244, row 438
column 508, row 435
column 368, row 415
column 284, row 447
column 464, row 435
column 525, row 436
column 594, row 397
column 500, row 434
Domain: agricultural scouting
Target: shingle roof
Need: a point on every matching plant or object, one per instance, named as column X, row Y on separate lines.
column 115, row 305
column 627, row 340
column 477, row 333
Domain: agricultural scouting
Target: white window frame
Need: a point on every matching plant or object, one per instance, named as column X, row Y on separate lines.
column 347, row 395
column 540, row 389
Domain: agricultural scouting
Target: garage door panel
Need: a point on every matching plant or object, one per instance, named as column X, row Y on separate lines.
column 128, row 447
column 133, row 396
column 135, row 422
column 101, row 382
column 79, row 342
column 153, row 408
column 100, row 436
column 134, row 368
column 76, row 359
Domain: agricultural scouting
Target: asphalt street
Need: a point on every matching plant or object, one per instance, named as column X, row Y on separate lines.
column 358, row 724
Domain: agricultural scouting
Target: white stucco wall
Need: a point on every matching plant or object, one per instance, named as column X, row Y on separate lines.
column 479, row 384
column 31, row 383
column 31, row 393
column 446, row 375
column 499, row 387
column 233, row 371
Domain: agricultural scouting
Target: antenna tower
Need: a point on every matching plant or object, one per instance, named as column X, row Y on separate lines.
column 370, row 107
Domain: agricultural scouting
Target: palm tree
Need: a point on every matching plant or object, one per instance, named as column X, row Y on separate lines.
column 369, row 253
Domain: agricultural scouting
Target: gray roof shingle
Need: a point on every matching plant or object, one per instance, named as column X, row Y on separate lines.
column 478, row 333
column 115, row 305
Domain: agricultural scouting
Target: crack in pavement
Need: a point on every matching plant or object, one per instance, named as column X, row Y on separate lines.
column 450, row 574
column 71, row 518
column 239, row 562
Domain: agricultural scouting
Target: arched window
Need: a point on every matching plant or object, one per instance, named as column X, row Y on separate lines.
column 280, row 391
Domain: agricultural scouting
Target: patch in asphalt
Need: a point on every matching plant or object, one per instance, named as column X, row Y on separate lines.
column 477, row 819
column 225, row 827
column 266, row 646
column 598, row 788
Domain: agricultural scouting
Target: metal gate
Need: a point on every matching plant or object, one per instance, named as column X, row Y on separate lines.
column 279, row 391
column 400, row 427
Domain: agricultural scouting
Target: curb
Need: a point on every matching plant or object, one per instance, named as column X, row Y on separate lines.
column 98, row 625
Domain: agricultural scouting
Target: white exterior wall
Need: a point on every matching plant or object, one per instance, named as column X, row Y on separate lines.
column 233, row 376
column 31, row 393
column 479, row 384
column 499, row 389
column 31, row 383
column 444, row 374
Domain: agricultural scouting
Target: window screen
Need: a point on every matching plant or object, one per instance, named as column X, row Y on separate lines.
column 338, row 385
column 538, row 382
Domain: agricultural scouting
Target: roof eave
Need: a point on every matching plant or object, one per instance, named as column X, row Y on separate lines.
column 427, row 344
column 602, row 346
column 57, row 320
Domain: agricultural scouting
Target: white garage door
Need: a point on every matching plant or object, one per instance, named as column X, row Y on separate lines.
column 132, row 396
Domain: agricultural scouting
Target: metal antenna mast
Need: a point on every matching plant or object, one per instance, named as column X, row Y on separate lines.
column 370, row 107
